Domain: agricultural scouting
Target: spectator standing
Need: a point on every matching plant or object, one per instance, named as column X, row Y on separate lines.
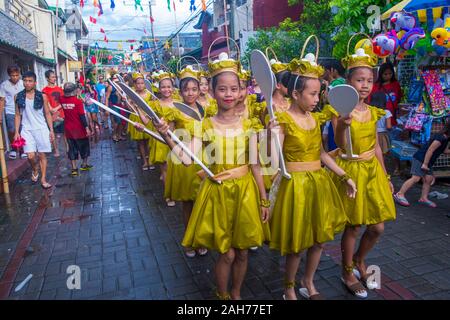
column 76, row 128
column 33, row 122
column 8, row 90
column 54, row 93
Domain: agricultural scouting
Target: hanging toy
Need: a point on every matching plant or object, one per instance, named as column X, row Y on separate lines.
column 192, row 7
column 410, row 38
column 441, row 32
column 403, row 21
column 386, row 44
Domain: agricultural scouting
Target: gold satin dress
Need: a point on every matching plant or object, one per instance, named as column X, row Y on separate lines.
column 308, row 208
column 182, row 182
column 227, row 215
column 374, row 202
column 159, row 151
column 135, row 134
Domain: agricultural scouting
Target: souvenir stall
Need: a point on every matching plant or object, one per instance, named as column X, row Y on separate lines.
column 420, row 29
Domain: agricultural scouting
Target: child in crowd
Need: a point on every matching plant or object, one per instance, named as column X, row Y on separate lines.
column 421, row 168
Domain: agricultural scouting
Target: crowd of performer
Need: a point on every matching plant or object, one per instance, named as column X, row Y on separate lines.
column 246, row 204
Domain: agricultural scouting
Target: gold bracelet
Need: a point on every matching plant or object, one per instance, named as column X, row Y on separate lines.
column 388, row 176
column 344, row 177
column 265, row 203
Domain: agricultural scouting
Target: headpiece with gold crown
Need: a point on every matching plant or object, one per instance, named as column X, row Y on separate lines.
column 203, row 73
column 223, row 63
column 275, row 64
column 361, row 58
column 161, row 75
column 191, row 70
column 188, row 72
column 137, row 75
column 244, row 74
column 307, row 66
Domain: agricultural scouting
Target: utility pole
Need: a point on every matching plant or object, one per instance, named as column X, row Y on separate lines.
column 232, row 11
column 178, row 34
column 226, row 25
column 58, row 76
column 153, row 33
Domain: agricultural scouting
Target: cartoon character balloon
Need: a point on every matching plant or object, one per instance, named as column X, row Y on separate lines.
column 403, row 21
column 410, row 38
column 386, row 44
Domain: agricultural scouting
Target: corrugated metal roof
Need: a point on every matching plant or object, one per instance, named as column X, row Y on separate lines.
column 26, row 52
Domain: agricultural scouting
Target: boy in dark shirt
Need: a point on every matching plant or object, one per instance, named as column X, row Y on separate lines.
column 421, row 168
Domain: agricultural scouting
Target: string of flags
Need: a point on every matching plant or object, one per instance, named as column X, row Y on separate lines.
column 192, row 7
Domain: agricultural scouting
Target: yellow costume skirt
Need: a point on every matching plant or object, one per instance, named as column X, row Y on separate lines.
column 374, row 202
column 227, row 216
column 135, row 134
column 182, row 182
column 307, row 211
column 158, row 152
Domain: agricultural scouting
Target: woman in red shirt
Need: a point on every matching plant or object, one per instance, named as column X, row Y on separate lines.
column 387, row 83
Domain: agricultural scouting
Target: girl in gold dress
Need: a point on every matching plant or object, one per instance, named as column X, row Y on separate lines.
column 140, row 137
column 374, row 202
column 182, row 182
column 308, row 210
column 280, row 103
column 208, row 103
column 229, row 217
column 163, row 108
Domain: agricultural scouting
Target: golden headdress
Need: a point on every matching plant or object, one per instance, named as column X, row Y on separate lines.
column 161, row 75
column 275, row 64
column 223, row 63
column 278, row 66
column 137, row 75
column 307, row 66
column 188, row 72
column 244, row 74
column 360, row 58
column 203, row 73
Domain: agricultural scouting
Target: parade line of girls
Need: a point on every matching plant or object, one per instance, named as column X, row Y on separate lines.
column 327, row 193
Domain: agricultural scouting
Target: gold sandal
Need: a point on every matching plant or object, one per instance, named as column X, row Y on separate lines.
column 356, row 289
column 223, row 296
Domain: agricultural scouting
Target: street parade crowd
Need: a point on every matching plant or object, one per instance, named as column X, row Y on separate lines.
column 237, row 191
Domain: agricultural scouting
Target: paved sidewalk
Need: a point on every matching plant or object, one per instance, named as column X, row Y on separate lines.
column 113, row 223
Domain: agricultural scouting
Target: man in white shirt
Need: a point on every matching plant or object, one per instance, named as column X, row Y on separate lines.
column 8, row 89
column 34, row 123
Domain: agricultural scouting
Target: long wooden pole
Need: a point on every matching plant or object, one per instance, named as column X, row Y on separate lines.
column 3, row 165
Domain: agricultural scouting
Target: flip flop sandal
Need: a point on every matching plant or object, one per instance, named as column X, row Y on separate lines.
column 369, row 285
column 190, row 253
column 171, row 203
column 401, row 200
column 34, row 178
column 46, row 186
column 305, row 294
column 145, row 168
column 354, row 288
column 202, row 251
column 428, row 203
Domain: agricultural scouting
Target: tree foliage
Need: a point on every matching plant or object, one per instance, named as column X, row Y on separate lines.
column 287, row 40
column 333, row 29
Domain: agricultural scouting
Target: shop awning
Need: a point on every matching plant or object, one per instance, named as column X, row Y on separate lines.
column 425, row 9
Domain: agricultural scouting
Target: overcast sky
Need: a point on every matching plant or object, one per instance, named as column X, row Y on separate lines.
column 125, row 22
